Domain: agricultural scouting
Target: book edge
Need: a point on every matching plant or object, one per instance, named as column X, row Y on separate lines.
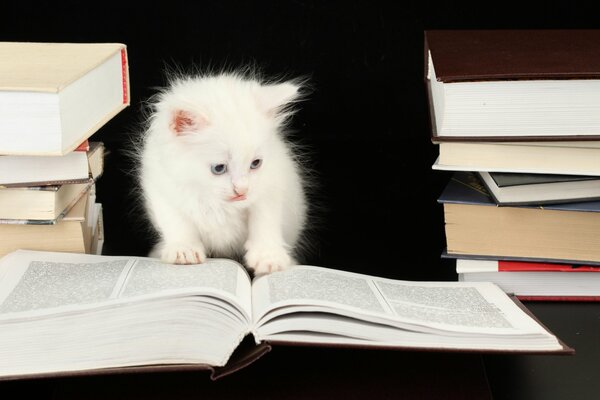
column 456, row 256
column 500, row 139
column 537, row 76
column 566, row 350
column 57, row 89
column 242, row 360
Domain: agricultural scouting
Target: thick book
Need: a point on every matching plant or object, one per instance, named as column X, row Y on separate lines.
column 520, row 189
column 74, row 167
column 40, row 205
column 64, row 314
column 79, row 231
column 513, row 85
column 535, row 281
column 571, row 158
column 475, row 225
column 54, row 96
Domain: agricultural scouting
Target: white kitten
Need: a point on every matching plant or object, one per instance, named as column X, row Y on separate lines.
column 217, row 177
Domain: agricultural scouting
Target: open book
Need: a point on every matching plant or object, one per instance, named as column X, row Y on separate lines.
column 70, row 314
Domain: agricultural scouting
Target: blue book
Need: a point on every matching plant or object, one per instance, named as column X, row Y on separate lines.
column 467, row 188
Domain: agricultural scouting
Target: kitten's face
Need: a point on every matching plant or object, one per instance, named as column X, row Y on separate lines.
column 224, row 133
column 236, row 172
column 224, row 164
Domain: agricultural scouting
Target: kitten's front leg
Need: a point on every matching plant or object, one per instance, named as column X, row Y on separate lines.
column 266, row 250
column 179, row 237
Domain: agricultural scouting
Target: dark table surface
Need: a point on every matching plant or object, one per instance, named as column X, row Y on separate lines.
column 326, row 373
column 553, row 377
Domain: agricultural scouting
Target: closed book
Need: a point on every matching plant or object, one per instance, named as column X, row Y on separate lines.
column 475, row 225
column 457, row 256
column 535, row 281
column 74, row 167
column 75, row 232
column 54, row 96
column 513, row 85
column 572, row 158
column 516, row 189
column 40, row 205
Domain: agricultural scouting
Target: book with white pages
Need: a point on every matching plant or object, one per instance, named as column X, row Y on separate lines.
column 74, row 167
column 521, row 189
column 69, row 314
column 541, row 281
column 54, row 96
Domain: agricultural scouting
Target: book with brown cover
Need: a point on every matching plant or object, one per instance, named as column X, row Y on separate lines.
column 461, row 56
column 249, row 352
column 211, row 308
column 474, row 55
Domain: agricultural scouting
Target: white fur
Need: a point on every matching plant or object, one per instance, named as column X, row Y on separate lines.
column 236, row 120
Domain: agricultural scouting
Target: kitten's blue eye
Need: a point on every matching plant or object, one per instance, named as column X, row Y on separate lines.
column 256, row 163
column 218, row 169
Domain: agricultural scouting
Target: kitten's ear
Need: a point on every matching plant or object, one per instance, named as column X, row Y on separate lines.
column 271, row 98
column 185, row 122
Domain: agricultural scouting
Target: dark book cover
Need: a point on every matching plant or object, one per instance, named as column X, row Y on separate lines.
column 455, row 256
column 508, row 55
column 466, row 188
column 506, row 179
column 496, row 182
column 475, row 55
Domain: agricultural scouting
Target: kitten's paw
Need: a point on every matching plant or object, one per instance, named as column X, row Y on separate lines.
column 265, row 260
column 180, row 253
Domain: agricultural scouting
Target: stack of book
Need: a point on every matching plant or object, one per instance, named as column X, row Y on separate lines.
column 53, row 97
column 515, row 113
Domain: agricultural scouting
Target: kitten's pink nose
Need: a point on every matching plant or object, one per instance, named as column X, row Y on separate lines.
column 240, row 190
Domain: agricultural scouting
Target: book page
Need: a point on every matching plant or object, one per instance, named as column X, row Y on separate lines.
column 37, row 283
column 50, row 284
column 150, row 276
column 315, row 284
column 449, row 306
column 423, row 306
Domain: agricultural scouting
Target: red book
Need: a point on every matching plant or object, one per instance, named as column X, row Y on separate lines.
column 535, row 281
column 85, row 146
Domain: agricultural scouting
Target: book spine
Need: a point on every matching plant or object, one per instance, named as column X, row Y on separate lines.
column 125, row 75
column 84, row 146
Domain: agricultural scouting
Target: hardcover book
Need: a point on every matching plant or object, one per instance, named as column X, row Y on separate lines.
column 535, row 281
column 54, row 96
column 458, row 256
column 41, row 205
column 78, row 231
column 572, row 158
column 513, row 85
column 516, row 189
column 69, row 314
column 74, row 167
column 475, row 225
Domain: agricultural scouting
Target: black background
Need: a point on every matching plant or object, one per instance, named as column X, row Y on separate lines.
column 365, row 123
